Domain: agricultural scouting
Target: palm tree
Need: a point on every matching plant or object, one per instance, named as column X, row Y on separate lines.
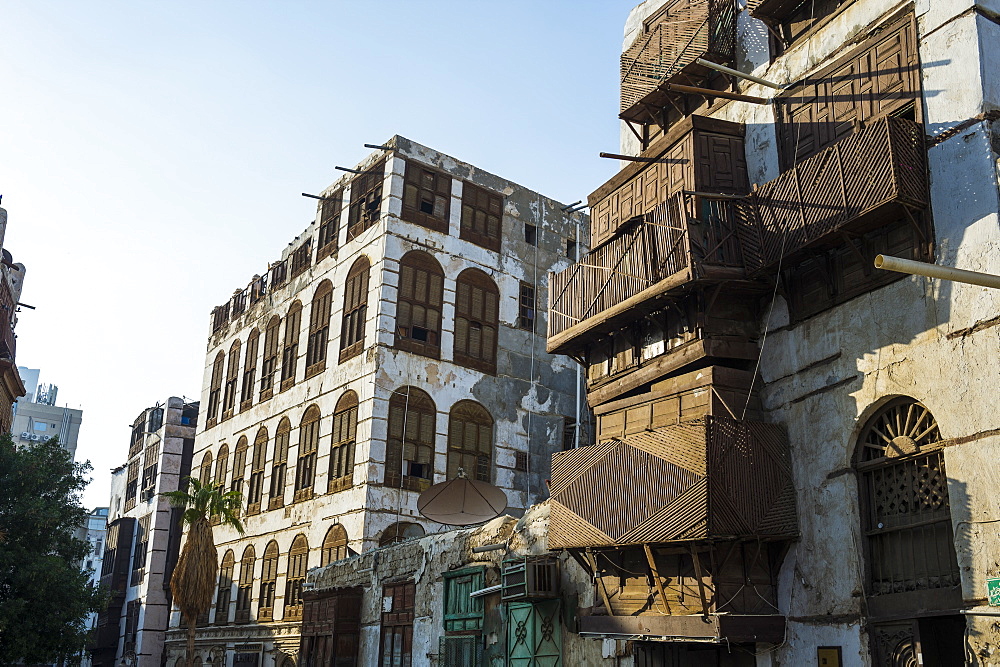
column 193, row 581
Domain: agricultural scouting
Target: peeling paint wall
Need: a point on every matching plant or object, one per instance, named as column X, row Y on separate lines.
column 528, row 398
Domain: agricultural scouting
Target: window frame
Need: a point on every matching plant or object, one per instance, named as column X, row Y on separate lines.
column 334, row 545
column 249, row 370
column 365, row 208
column 463, row 414
column 417, row 193
column 526, row 322
column 232, row 380
column 224, row 594
column 400, row 471
column 255, row 487
column 215, row 389
column 279, row 464
column 244, row 585
column 343, row 443
column 415, row 268
column 290, row 345
column 319, row 329
column 308, row 452
column 355, row 313
column 295, row 577
column 487, row 321
column 330, row 210
column 480, row 205
column 267, row 592
column 396, row 626
column 269, row 364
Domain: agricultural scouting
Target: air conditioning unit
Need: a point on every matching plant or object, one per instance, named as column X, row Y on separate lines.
column 35, row 436
column 25, row 435
column 530, row 578
column 147, row 494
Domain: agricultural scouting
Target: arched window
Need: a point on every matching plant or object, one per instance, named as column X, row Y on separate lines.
column 225, row 593
column 305, row 466
column 399, row 532
column 268, row 582
column 319, row 328
column 279, row 466
column 345, row 426
column 205, row 472
column 298, row 563
column 470, row 441
column 352, row 330
column 477, row 316
column 255, row 489
column 906, row 514
column 290, row 347
column 215, row 390
column 221, row 464
column 239, row 466
column 245, row 586
column 270, row 361
column 409, row 452
column 418, row 311
column 232, row 379
column 334, row 546
column 249, row 370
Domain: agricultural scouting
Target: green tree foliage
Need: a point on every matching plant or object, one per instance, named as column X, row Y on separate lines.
column 44, row 594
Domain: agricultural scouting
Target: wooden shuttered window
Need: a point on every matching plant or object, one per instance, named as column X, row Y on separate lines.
column 222, row 465
column 290, row 346
column 268, row 582
column 132, row 484
column 366, row 199
column 418, row 310
column 239, row 468
column 477, row 317
column 396, row 641
column 249, row 370
column 255, row 490
column 352, row 331
column 343, row 440
column 426, row 197
column 334, row 546
column 409, row 450
column 232, row 380
column 470, row 441
column 319, row 329
column 482, row 213
column 215, row 390
column 298, row 563
column 205, row 471
column 270, row 362
column 879, row 78
column 305, row 467
column 279, row 466
column 225, row 592
column 329, row 224
column 244, row 590
column 302, row 258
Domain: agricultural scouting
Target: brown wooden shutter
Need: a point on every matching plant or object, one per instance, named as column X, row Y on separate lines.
column 352, row 333
column 418, row 311
column 482, row 215
column 477, row 317
column 426, row 197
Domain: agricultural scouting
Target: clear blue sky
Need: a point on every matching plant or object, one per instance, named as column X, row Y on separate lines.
column 152, row 155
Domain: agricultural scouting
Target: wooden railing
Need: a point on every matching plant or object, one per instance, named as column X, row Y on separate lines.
column 685, row 233
column 690, row 30
column 834, row 190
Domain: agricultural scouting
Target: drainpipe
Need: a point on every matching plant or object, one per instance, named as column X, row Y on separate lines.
column 934, row 271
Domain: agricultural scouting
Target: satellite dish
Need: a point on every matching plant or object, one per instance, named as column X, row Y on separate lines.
column 462, row 501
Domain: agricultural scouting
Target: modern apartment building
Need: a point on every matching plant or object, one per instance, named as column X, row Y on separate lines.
column 143, row 536
column 398, row 340
column 795, row 449
column 37, row 418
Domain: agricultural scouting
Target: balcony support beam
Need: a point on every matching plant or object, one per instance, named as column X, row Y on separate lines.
column 600, row 583
column 656, row 577
column 735, row 72
column 701, row 583
column 708, row 92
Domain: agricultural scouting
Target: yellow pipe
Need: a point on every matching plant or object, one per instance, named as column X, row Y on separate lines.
column 934, row 271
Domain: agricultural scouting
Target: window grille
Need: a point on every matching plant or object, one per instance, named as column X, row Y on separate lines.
column 409, row 455
column 526, row 307
column 352, row 332
column 319, row 329
column 477, row 317
column 305, row 467
column 343, row 439
column 418, row 311
column 426, row 197
column 470, row 441
column 279, row 466
column 366, row 200
column 482, row 212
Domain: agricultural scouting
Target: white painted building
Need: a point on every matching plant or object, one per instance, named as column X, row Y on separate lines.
column 143, row 536
column 398, row 339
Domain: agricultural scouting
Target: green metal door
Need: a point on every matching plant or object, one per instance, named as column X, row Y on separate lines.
column 534, row 634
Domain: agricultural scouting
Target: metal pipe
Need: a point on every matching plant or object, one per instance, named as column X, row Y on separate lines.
column 889, row 263
column 736, row 72
column 708, row 92
column 984, row 612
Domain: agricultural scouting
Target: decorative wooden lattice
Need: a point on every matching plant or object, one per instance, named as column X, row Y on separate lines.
column 709, row 478
column 686, row 31
column 878, row 165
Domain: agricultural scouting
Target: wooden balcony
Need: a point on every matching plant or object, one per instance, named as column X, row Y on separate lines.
column 849, row 187
column 667, row 53
column 710, row 478
column 683, row 240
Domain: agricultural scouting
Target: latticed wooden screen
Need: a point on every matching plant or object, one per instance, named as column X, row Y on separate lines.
column 426, row 197
column 477, row 316
column 352, row 330
column 418, row 311
column 711, row 477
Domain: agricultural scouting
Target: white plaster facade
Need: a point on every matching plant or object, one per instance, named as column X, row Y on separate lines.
column 530, row 397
